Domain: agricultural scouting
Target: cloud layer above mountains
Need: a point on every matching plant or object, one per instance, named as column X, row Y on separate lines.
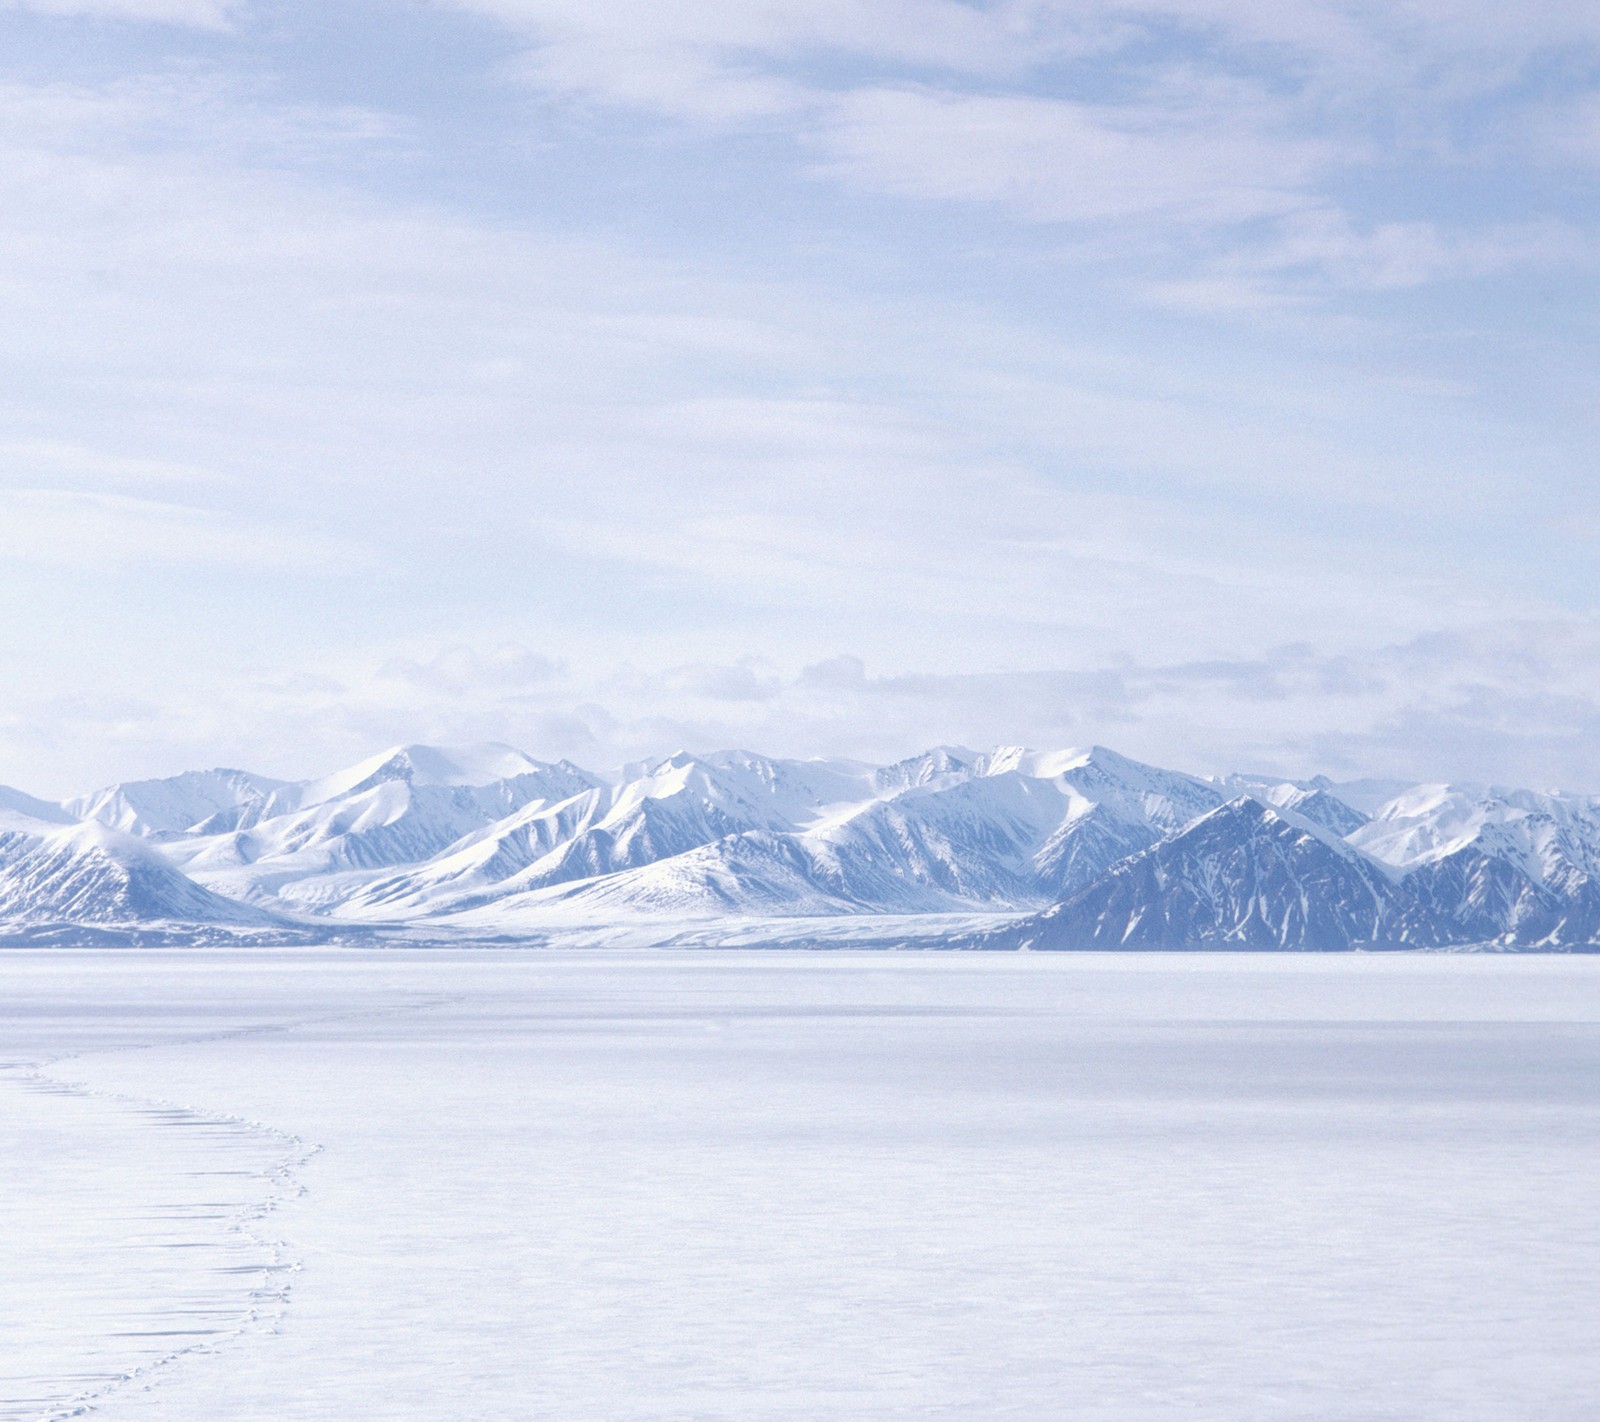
column 1211, row 378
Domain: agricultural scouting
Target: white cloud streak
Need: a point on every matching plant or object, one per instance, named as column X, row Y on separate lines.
column 201, row 14
column 1217, row 113
column 1374, row 43
column 116, row 531
column 1055, row 161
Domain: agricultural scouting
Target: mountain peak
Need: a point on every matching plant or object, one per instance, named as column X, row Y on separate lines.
column 175, row 804
column 471, row 765
column 932, row 766
column 28, row 813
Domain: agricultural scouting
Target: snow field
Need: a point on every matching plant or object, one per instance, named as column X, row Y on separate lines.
column 783, row 1186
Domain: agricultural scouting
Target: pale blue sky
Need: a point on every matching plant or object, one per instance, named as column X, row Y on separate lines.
column 1215, row 379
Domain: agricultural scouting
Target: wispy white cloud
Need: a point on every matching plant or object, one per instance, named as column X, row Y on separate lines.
column 74, row 528
column 1394, row 255
column 43, row 463
column 729, row 60
column 204, row 14
column 1051, row 160
column 1315, row 253
column 1457, row 44
column 459, row 669
column 1196, row 113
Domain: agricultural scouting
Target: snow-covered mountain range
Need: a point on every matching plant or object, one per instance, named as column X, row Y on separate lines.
column 1009, row 848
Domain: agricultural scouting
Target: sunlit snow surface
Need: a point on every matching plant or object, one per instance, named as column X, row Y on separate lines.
column 491, row 1187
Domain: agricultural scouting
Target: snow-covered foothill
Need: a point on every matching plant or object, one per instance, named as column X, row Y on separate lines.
column 92, row 875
